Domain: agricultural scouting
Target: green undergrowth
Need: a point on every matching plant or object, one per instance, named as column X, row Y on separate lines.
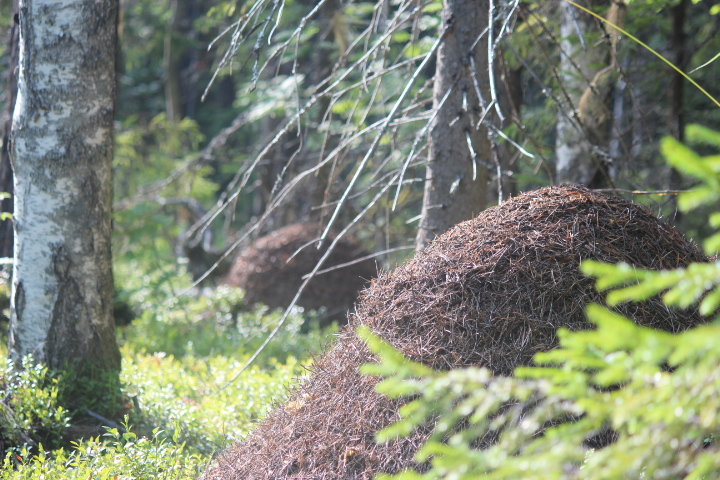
column 114, row 456
column 198, row 398
column 218, row 323
column 30, row 412
column 183, row 398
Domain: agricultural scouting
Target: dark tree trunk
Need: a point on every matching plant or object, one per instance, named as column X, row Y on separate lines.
column 679, row 48
column 6, row 175
column 173, row 96
column 676, row 115
column 456, row 185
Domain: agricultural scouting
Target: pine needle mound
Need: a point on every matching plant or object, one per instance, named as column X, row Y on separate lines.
column 270, row 270
column 491, row 292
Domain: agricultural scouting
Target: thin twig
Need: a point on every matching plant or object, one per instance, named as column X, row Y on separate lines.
column 360, row 259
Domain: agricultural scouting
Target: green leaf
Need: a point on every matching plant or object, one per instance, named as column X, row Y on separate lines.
column 433, row 7
column 715, row 220
column 700, row 134
column 710, row 303
column 609, row 275
column 684, row 159
column 711, row 245
column 697, row 197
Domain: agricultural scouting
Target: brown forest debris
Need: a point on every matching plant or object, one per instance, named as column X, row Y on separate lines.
column 270, row 270
column 492, row 291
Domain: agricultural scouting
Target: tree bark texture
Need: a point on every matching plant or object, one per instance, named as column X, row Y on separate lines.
column 584, row 54
column 456, row 181
column 6, row 175
column 62, row 143
column 173, row 97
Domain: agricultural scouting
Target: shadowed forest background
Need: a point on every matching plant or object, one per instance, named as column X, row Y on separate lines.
column 335, row 140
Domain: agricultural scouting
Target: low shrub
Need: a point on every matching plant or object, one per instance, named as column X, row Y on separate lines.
column 198, row 396
column 119, row 455
column 30, row 412
column 217, row 323
column 179, row 390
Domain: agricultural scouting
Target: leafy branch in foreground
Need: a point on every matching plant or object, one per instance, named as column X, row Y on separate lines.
column 700, row 281
column 620, row 401
column 541, row 423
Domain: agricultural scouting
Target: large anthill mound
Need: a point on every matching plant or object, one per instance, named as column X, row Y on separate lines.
column 270, row 270
column 491, row 292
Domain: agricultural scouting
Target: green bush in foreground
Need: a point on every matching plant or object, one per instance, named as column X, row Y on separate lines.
column 666, row 421
column 659, row 393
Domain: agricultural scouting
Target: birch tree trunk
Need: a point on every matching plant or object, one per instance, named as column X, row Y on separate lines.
column 456, row 185
column 62, row 143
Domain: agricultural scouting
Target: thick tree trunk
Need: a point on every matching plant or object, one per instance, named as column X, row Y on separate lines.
column 62, row 143
column 456, row 185
column 676, row 114
column 583, row 55
column 6, row 175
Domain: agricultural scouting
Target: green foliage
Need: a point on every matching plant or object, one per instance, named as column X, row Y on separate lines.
column 218, row 323
column 700, row 281
column 86, row 387
column 620, row 401
column 30, row 411
column 180, row 361
column 152, row 214
column 198, row 397
column 147, row 288
column 665, row 420
column 182, row 396
column 180, row 389
column 121, row 455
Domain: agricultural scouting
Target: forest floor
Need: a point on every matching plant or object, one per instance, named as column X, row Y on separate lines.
column 183, row 400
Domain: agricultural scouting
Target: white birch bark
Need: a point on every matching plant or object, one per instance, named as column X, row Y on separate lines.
column 62, row 139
